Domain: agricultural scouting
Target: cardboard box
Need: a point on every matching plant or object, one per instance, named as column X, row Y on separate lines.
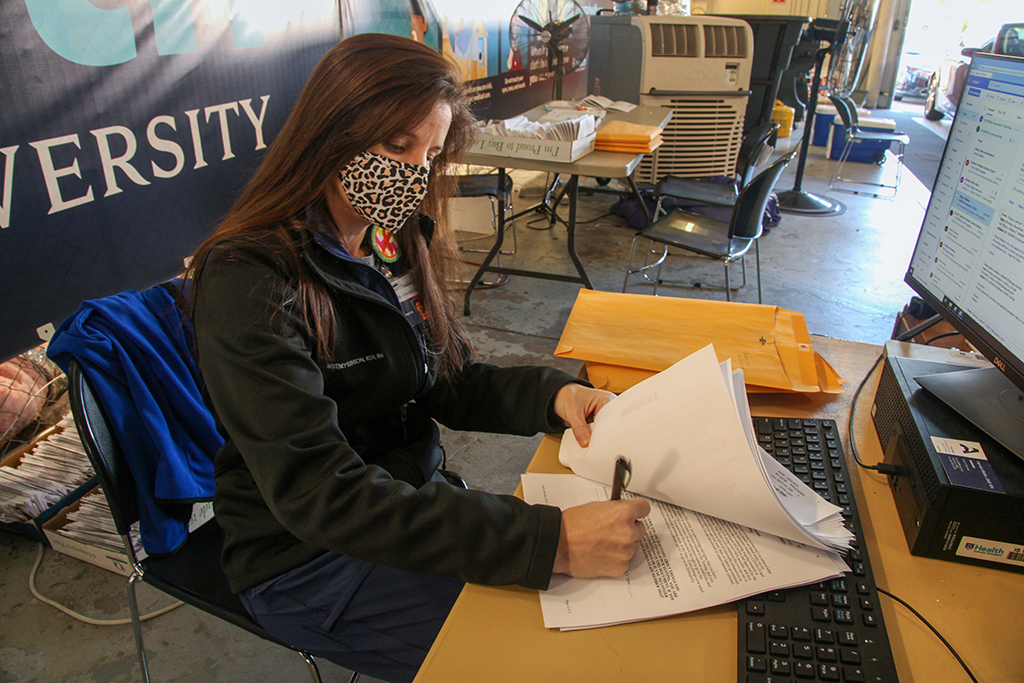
column 530, row 148
column 865, row 152
column 101, row 557
column 33, row 528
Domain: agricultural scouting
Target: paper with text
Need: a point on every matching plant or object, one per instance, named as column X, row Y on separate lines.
column 688, row 435
column 687, row 561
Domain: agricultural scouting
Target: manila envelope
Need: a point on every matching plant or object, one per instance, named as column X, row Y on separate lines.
column 625, row 338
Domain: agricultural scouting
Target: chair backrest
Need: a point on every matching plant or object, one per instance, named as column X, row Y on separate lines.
column 847, row 111
column 103, row 451
column 754, row 148
column 748, row 213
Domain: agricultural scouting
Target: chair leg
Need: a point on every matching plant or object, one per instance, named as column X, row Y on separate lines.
column 314, row 670
column 355, row 677
column 728, row 285
column 757, row 261
column 133, row 607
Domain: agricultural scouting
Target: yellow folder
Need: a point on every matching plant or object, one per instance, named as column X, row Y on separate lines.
column 625, row 338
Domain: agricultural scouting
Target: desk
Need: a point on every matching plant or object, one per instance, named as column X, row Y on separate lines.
column 498, row 634
column 593, row 165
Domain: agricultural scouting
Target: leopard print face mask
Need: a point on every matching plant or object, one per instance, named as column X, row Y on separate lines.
column 384, row 191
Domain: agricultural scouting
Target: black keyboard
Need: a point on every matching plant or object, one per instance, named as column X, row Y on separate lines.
column 828, row 631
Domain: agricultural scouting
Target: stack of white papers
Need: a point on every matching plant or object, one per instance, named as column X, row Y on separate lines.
column 576, row 127
column 727, row 520
column 92, row 524
column 52, row 470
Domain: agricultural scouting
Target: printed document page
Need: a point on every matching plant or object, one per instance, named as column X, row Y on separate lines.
column 687, row 561
column 687, row 445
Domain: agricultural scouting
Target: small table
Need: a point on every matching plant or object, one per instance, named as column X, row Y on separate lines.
column 594, row 165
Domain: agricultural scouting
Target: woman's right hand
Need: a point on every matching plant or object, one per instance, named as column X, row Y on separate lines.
column 600, row 538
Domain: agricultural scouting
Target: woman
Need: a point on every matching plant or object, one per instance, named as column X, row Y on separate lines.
column 329, row 345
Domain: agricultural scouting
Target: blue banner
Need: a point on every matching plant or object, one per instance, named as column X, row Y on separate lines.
column 126, row 133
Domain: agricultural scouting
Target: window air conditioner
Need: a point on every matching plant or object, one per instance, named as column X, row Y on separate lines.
column 698, row 66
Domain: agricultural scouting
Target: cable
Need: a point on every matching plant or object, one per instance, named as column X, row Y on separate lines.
column 933, row 630
column 942, row 336
column 884, row 468
column 80, row 617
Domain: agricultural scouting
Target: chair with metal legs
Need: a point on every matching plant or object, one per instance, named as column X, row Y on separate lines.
column 724, row 241
column 192, row 574
column 486, row 185
column 847, row 110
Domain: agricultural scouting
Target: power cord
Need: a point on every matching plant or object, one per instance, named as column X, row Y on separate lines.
column 933, row 630
column 81, row 617
column 884, row 468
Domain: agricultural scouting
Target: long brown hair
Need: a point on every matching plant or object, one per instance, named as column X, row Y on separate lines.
column 367, row 90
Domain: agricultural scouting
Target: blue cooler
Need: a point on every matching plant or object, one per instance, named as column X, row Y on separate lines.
column 823, row 116
column 865, row 152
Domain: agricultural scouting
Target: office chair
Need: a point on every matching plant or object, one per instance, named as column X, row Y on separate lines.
column 193, row 574
column 854, row 135
column 725, row 241
column 756, row 148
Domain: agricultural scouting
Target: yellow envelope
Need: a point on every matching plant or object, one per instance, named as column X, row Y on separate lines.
column 625, row 338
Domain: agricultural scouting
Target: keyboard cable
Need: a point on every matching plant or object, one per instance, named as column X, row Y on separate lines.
column 887, row 469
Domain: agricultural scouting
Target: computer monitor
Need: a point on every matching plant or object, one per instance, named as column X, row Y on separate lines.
column 968, row 263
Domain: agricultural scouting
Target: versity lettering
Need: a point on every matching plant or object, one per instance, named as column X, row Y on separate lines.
column 174, row 141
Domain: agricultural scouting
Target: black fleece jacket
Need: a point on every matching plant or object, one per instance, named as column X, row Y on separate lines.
column 339, row 458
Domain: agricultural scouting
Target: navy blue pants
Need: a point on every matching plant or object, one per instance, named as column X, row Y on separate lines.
column 366, row 617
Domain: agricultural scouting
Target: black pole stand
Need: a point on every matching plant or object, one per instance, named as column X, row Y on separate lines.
column 798, row 200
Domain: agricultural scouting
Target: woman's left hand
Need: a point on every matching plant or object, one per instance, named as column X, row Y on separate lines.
column 577, row 405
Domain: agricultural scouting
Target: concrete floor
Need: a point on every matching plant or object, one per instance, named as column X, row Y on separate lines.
column 844, row 273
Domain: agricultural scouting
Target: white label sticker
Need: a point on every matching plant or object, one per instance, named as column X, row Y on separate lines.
column 968, row 449
column 993, row 551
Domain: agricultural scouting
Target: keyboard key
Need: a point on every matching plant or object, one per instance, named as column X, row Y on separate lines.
column 867, row 605
column 819, row 598
column 847, row 656
column 840, row 600
column 777, row 596
column 757, row 664
column 756, row 642
column 755, row 608
column 801, row 634
column 803, row 670
column 869, row 620
column 779, row 649
column 843, row 616
column 803, row 651
column 853, row 675
column 823, row 636
column 827, row 654
column 828, row 672
column 838, row 586
column 821, row 614
column 847, row 638
column 778, row 632
column 780, row 667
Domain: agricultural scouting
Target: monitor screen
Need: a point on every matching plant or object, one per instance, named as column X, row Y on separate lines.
column 968, row 263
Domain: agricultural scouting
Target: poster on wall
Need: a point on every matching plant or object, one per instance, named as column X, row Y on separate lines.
column 491, row 42
column 127, row 130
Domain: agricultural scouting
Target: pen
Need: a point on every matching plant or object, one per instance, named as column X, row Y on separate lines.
column 619, row 478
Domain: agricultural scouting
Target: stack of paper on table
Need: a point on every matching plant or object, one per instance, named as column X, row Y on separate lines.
column 727, row 520
column 626, row 338
column 621, row 136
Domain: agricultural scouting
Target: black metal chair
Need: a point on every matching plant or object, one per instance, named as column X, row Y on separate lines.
column 193, row 574
column 847, row 110
column 756, row 148
column 486, row 185
column 725, row 241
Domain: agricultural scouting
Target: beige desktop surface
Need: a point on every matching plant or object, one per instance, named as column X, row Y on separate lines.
column 498, row 634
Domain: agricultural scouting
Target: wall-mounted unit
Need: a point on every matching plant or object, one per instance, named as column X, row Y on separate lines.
column 698, row 66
